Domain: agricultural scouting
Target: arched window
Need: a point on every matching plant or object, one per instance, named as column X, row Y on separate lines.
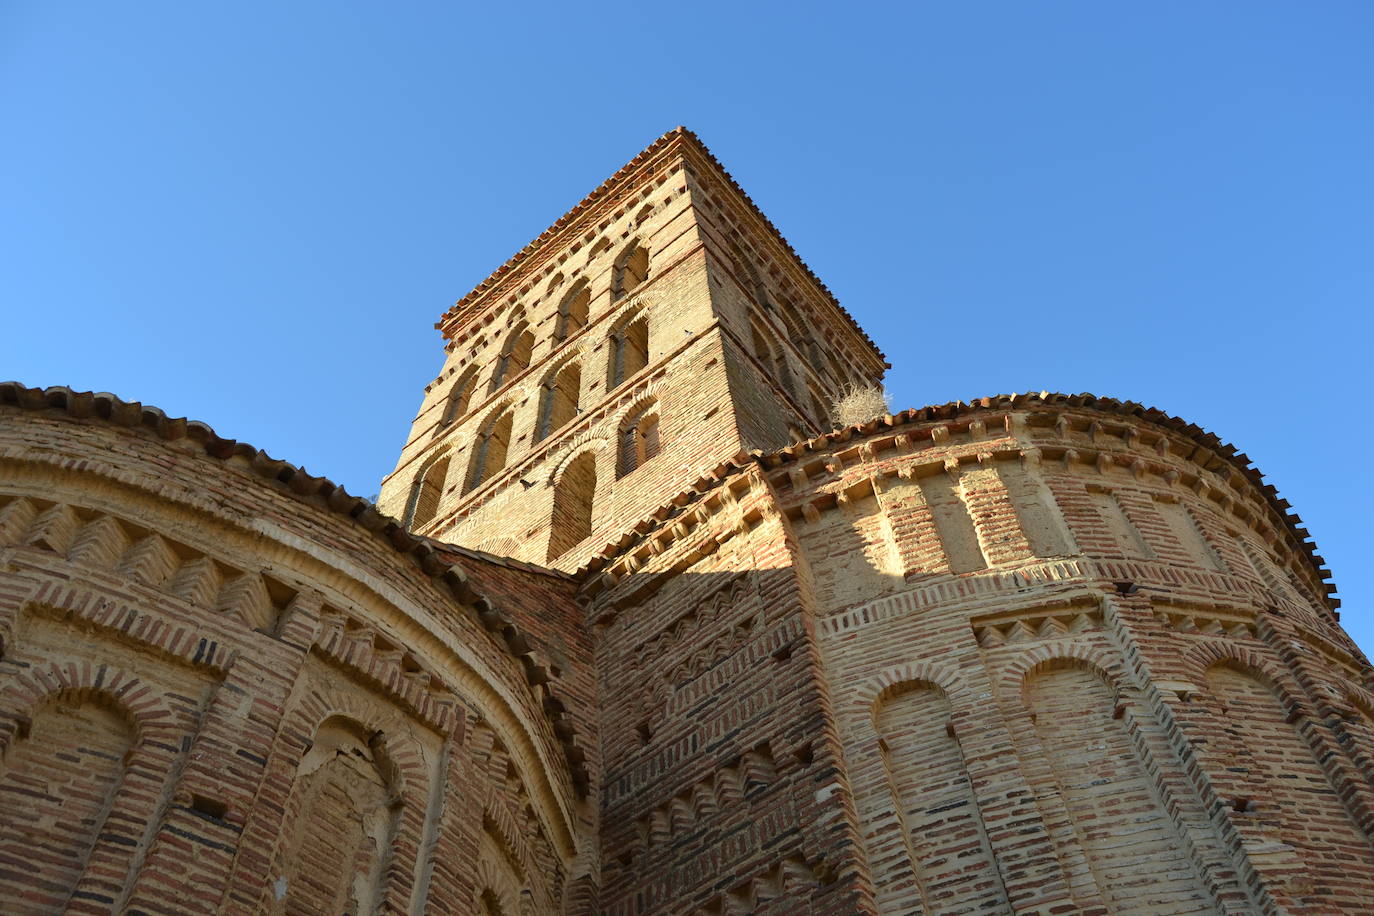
column 489, row 451
column 558, row 402
column 515, row 358
column 573, row 497
column 343, row 818
column 601, row 245
column 57, row 780
column 572, row 312
column 931, row 799
column 841, row 376
column 1107, row 791
column 795, row 329
column 770, row 353
column 638, row 439
column 818, row 407
column 631, row 270
column 749, row 278
column 813, row 350
column 762, row 349
column 629, row 351
column 425, row 495
column 459, row 397
column 1259, row 751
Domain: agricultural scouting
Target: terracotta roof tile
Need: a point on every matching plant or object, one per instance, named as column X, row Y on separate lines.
column 435, row 559
column 1235, row 459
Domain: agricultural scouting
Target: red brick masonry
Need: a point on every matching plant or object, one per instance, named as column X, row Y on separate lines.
column 1033, row 654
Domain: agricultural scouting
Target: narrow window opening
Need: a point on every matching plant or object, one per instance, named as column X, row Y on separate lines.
column 427, row 493
column 639, row 440
column 574, row 498
column 515, row 358
column 489, row 451
column 459, row 398
column 573, row 312
column 629, row 353
column 631, row 270
column 559, row 403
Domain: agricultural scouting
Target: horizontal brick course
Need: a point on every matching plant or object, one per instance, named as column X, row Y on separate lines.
column 1034, row 654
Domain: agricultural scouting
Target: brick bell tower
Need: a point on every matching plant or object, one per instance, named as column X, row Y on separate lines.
column 660, row 327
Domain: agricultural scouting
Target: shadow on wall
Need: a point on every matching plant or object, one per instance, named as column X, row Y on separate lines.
column 1022, row 712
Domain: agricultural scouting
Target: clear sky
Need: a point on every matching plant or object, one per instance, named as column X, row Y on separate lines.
column 253, row 213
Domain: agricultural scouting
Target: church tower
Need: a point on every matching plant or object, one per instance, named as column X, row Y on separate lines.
column 659, row 328
column 1028, row 654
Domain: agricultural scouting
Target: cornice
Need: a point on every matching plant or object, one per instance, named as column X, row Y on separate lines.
column 677, row 137
column 1209, row 451
column 435, row 559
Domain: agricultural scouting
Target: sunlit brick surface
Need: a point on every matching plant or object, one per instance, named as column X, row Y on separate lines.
column 636, row 632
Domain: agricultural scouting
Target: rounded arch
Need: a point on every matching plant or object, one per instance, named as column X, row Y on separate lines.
column 153, row 719
column 459, row 397
column 345, row 724
column 629, row 347
column 1208, row 652
column 574, row 446
column 769, row 352
column 574, row 310
column 601, row 245
column 495, row 894
column 343, row 733
column 871, row 691
column 638, row 435
column 515, row 356
column 427, row 490
column 372, row 715
column 631, row 312
column 1087, row 658
column 1061, row 652
column 631, row 269
column 574, row 501
column 560, row 393
column 58, row 782
column 1098, row 767
column 911, row 780
column 591, row 447
column 114, row 744
column 760, row 339
column 491, row 446
column 1268, row 749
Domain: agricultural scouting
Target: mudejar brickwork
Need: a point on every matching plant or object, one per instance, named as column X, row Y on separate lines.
column 635, row 628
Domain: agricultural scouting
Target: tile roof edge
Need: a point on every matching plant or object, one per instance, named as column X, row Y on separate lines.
column 302, row 485
column 770, row 460
column 601, row 190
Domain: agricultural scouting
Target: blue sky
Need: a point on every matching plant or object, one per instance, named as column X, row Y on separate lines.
column 252, row 214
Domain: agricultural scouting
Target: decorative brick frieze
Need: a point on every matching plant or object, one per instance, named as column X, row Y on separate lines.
column 1035, row 654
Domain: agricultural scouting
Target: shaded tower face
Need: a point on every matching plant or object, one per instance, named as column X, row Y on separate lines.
column 660, row 328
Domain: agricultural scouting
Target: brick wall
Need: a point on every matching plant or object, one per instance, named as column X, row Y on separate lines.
column 717, row 279
column 219, row 694
column 1035, row 654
